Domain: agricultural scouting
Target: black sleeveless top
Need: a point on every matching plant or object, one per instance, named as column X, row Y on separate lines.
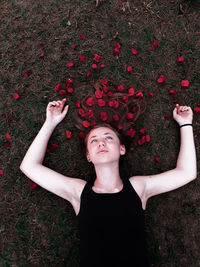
column 112, row 228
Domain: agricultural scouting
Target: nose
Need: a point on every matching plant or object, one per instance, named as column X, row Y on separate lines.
column 101, row 143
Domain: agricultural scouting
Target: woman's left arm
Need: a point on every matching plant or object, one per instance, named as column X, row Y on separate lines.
column 186, row 167
column 187, row 156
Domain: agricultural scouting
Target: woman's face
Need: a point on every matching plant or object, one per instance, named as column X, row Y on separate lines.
column 103, row 145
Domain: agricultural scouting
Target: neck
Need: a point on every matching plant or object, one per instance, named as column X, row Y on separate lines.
column 107, row 176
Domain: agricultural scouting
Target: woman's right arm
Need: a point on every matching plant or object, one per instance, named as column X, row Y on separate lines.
column 31, row 166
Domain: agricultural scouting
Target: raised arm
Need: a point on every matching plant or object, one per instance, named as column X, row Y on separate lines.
column 32, row 166
column 186, row 167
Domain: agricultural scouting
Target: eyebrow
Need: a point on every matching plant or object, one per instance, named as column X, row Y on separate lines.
column 104, row 134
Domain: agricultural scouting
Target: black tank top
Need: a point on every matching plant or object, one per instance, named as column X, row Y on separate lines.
column 112, row 228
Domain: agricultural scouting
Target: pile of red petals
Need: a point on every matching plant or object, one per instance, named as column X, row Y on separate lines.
column 145, row 137
column 65, row 87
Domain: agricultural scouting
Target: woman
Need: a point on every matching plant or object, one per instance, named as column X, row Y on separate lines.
column 110, row 209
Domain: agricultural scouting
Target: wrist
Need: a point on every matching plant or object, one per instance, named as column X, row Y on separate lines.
column 50, row 125
column 186, row 124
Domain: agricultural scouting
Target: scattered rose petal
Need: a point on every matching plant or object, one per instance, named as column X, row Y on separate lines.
column 115, row 117
column 120, row 127
column 131, row 91
column 104, row 81
column 69, row 81
column 130, row 116
column 86, row 124
column 101, row 103
column 134, row 109
column 148, row 138
column 16, row 96
column 74, row 46
column 155, row 43
column 94, row 66
column 98, row 94
column 82, row 135
column 88, row 74
column 143, row 131
column 40, row 44
column 134, row 51
column 181, row 59
column 93, row 123
column 90, row 101
column 185, row 83
column 81, row 112
column 172, row 92
column 53, row 146
column 97, row 57
column 8, row 136
column 131, row 132
column 27, row 73
column 103, row 116
column 57, row 87
column 33, row 186
column 161, row 79
column 1, row 172
column 62, row 92
column 70, row 64
column 82, row 36
column 197, row 109
column 139, row 94
column 70, row 90
column 157, row 159
column 151, row 94
column 130, row 69
column 120, row 87
column 125, row 99
column 82, row 58
column 68, row 134
column 105, row 88
column 8, row 118
column 41, row 55
column 7, row 145
column 89, row 114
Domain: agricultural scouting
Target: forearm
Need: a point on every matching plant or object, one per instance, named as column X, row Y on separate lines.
column 187, row 155
column 37, row 150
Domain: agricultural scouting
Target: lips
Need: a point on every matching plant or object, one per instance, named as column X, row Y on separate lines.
column 103, row 151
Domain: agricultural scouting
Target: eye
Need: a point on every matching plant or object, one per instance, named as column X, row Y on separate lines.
column 93, row 140
column 109, row 137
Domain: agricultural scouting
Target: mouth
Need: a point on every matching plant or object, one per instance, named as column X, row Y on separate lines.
column 102, row 151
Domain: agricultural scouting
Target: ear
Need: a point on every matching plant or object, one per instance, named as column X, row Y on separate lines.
column 122, row 150
column 87, row 156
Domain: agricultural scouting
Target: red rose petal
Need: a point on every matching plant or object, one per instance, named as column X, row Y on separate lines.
column 157, row 159
column 16, row 96
column 70, row 64
column 8, row 136
column 103, row 116
column 185, row 83
column 68, row 134
column 33, row 186
column 86, row 124
column 134, row 51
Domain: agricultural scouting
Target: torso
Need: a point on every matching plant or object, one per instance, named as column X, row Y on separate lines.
column 138, row 187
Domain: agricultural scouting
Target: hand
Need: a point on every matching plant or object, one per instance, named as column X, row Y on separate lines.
column 182, row 114
column 54, row 113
